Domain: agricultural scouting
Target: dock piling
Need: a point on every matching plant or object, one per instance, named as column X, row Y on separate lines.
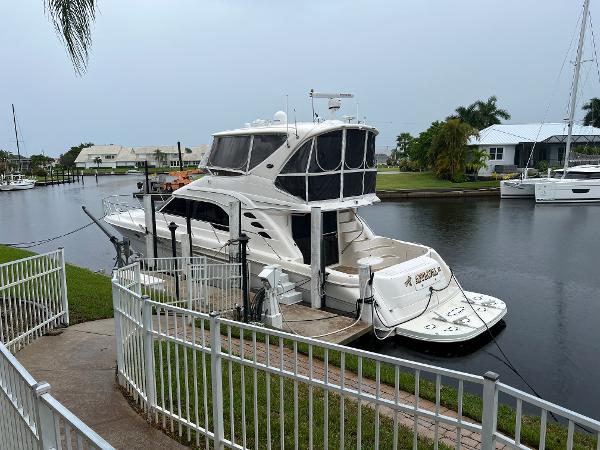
column 316, row 236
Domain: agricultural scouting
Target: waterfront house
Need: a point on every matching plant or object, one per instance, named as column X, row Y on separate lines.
column 509, row 146
column 113, row 156
column 381, row 158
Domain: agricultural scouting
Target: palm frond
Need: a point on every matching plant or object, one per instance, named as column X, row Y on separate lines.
column 72, row 20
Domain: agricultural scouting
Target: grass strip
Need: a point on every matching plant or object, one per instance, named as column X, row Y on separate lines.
column 185, row 374
column 89, row 293
column 556, row 433
column 425, row 180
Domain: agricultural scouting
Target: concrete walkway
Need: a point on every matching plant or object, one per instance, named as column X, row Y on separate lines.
column 80, row 365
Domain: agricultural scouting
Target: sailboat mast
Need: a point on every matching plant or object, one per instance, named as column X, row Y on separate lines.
column 16, row 136
column 586, row 7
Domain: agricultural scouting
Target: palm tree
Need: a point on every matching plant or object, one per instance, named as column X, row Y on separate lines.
column 97, row 160
column 489, row 112
column 481, row 114
column 592, row 115
column 449, row 149
column 160, row 157
column 72, row 20
column 477, row 160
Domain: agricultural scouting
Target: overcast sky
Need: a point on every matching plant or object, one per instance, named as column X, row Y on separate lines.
column 162, row 71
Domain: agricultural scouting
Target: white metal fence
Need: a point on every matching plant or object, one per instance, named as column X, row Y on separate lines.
column 33, row 298
column 196, row 282
column 221, row 383
column 30, row 417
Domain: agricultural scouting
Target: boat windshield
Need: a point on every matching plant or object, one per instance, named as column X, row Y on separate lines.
column 335, row 165
column 241, row 153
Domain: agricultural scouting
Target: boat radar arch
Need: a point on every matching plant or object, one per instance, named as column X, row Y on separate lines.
column 335, row 100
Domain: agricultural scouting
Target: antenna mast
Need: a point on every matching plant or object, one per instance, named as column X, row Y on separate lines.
column 16, row 136
column 586, row 6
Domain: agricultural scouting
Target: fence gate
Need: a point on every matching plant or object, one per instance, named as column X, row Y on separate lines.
column 216, row 287
column 33, row 298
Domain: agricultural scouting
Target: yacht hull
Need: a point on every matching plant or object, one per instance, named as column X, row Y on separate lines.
column 17, row 186
column 448, row 316
column 519, row 188
column 568, row 191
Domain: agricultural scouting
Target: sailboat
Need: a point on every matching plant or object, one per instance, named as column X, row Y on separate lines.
column 581, row 188
column 575, row 184
column 16, row 181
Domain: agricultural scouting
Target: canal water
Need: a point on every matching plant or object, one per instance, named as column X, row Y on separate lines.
column 46, row 212
column 542, row 260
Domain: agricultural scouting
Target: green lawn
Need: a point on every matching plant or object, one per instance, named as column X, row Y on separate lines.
column 556, row 434
column 90, row 294
column 171, row 380
column 425, row 180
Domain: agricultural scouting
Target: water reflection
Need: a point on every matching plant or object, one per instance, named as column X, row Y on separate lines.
column 541, row 260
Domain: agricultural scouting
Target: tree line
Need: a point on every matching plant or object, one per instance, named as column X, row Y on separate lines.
column 39, row 163
column 443, row 147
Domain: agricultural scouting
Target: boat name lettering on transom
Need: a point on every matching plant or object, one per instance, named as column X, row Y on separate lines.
column 426, row 275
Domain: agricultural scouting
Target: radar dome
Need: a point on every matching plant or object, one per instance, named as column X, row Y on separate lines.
column 279, row 117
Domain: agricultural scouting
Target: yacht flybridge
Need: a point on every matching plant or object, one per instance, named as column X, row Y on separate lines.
column 278, row 172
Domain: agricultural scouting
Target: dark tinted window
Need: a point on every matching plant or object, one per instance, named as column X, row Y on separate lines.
column 330, row 238
column 355, row 148
column 209, row 212
column 297, row 163
column 203, row 211
column 263, row 146
column 176, row 207
column 230, row 152
column 294, row 185
column 370, row 179
column 353, row 184
column 323, row 187
column 370, row 153
column 327, row 154
column 301, row 235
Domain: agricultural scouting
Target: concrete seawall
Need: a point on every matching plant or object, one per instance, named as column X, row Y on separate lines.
column 435, row 193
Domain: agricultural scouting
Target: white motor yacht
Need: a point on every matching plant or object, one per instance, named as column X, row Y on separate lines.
column 278, row 172
column 16, row 182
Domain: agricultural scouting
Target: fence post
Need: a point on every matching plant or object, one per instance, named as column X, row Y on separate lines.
column 316, row 276
column 216, row 379
column 187, row 269
column 490, row 411
column 148, row 354
column 243, row 241
column 116, row 295
column 45, row 419
column 63, row 286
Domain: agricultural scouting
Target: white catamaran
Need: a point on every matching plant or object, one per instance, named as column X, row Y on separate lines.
column 577, row 184
column 278, row 171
